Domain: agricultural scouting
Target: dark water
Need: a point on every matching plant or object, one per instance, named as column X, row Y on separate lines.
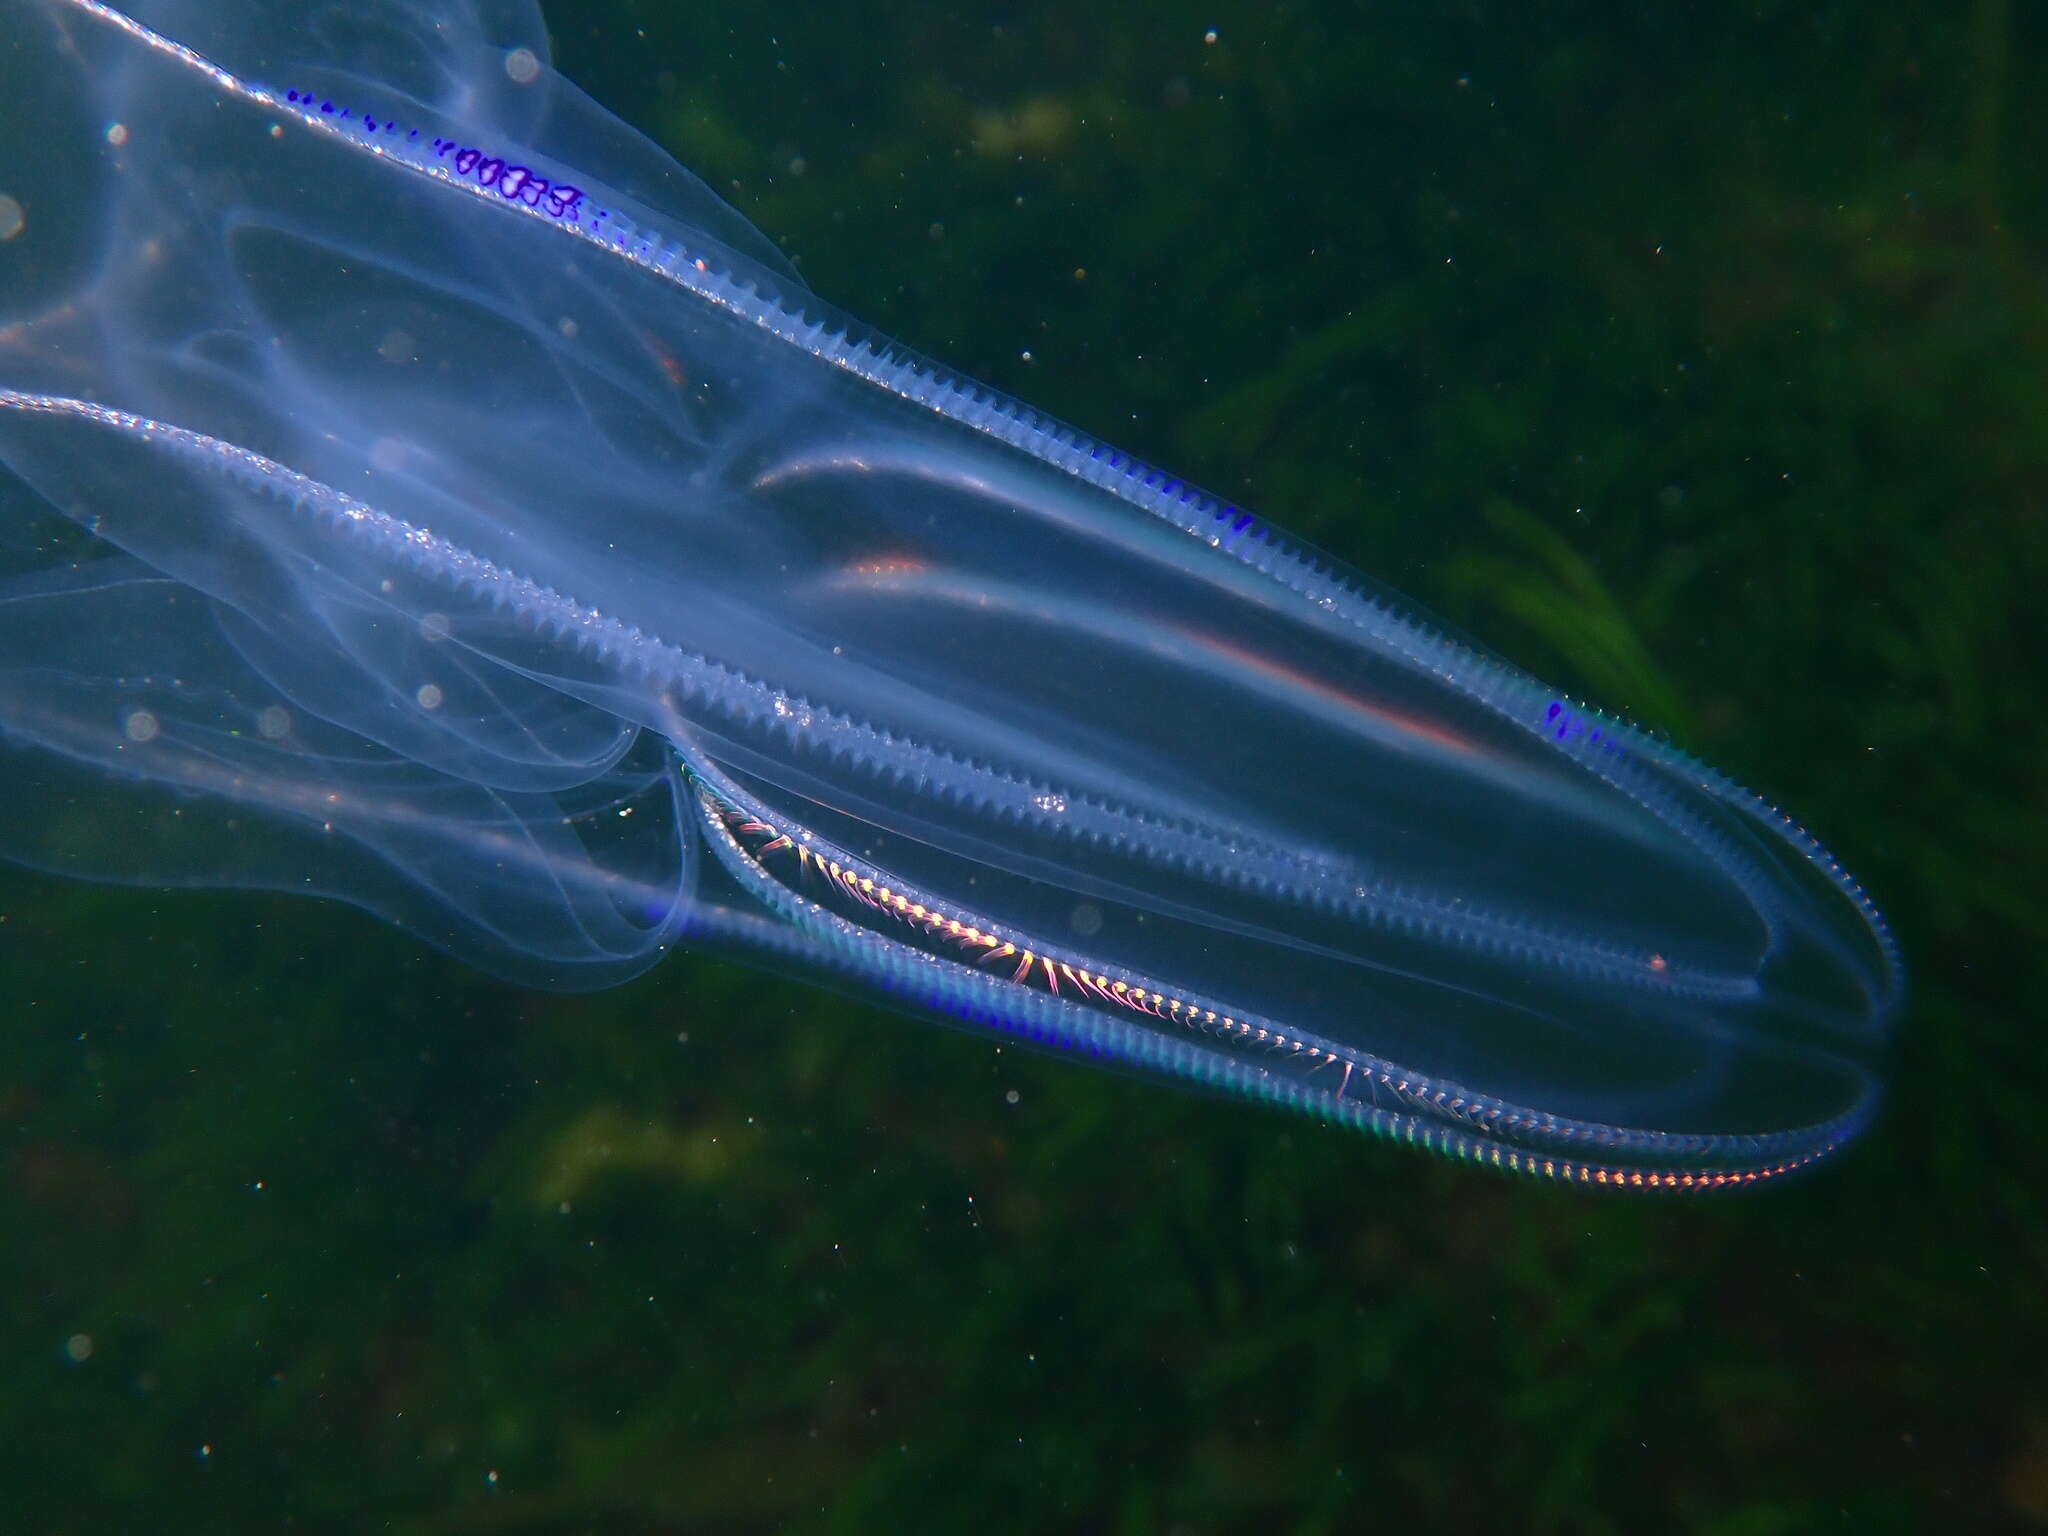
column 1699, row 363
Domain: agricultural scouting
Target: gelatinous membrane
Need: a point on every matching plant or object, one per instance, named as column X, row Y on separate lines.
column 422, row 491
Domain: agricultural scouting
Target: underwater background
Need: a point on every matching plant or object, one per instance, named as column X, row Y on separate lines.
column 1697, row 362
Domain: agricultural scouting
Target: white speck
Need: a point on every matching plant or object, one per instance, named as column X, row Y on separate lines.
column 117, row 134
column 1209, row 37
column 141, row 725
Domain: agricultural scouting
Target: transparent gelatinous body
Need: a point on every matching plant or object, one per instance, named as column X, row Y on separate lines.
column 420, row 490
